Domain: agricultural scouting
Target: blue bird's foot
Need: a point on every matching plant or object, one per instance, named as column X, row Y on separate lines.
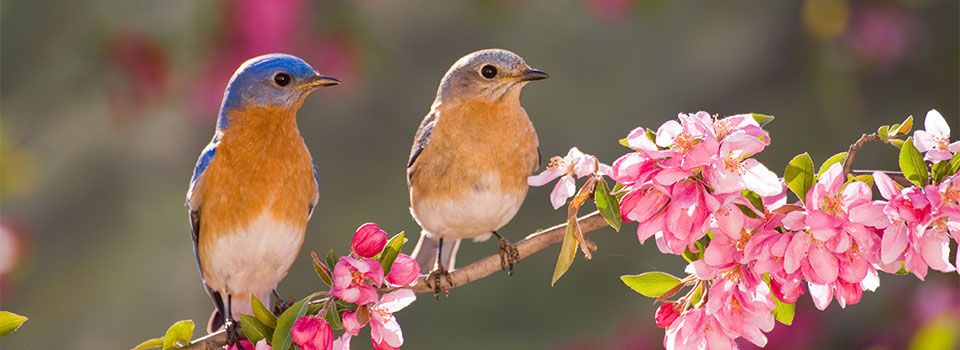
column 233, row 330
column 281, row 304
column 509, row 255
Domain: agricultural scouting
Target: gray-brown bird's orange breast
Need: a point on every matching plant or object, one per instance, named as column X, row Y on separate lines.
column 471, row 177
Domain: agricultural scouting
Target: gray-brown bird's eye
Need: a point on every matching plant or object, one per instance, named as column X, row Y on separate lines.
column 488, row 71
column 282, row 79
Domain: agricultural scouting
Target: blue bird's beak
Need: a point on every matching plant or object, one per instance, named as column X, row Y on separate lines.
column 320, row 81
column 533, row 74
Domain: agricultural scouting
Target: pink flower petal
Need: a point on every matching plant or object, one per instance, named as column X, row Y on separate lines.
column 544, row 177
column 824, row 263
column 565, row 188
column 893, row 243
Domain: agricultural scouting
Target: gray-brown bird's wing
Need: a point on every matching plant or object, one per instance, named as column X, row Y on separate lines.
column 422, row 137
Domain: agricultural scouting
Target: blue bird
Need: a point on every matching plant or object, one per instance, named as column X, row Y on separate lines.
column 254, row 186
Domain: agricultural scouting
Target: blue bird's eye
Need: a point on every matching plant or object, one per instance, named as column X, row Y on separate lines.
column 488, row 71
column 282, row 79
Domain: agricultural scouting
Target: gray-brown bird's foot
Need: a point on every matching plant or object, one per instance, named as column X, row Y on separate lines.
column 509, row 255
column 433, row 281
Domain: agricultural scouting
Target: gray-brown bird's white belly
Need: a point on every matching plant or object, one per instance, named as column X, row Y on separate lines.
column 481, row 210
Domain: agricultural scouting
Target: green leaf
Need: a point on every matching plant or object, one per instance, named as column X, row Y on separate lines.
column 783, row 312
column 607, row 204
column 624, row 142
column 754, row 199
column 939, row 170
column 179, row 334
column 568, row 251
column 912, row 164
column 333, row 317
column 254, row 329
column 867, row 179
column 651, row 284
column 883, row 133
column 762, row 119
column 155, row 343
column 902, row 128
column 954, row 164
column 262, row 313
column 322, row 270
column 836, row 158
column 10, row 322
column 390, row 251
column 332, row 259
column 748, row 212
column 281, row 335
column 618, row 191
column 896, row 143
column 799, row 175
column 697, row 294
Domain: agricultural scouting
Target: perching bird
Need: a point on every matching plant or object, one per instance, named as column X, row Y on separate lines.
column 254, row 186
column 471, row 157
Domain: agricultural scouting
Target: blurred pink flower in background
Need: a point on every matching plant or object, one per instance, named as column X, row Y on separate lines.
column 255, row 28
column 144, row 73
column 880, row 34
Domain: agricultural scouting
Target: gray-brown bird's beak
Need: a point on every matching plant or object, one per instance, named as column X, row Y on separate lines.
column 532, row 74
column 320, row 80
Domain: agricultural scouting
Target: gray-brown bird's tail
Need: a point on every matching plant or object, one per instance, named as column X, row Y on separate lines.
column 426, row 252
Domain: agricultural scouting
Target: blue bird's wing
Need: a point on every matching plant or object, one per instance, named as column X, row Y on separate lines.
column 206, row 157
column 422, row 137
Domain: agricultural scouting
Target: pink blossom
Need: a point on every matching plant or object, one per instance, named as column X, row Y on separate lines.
column 312, row 333
column 342, row 342
column 382, row 345
column 742, row 303
column 666, row 314
column 916, row 232
column 384, row 328
column 935, row 139
column 696, row 329
column 369, row 240
column 350, row 278
column 574, row 163
column 404, row 271
column 733, row 171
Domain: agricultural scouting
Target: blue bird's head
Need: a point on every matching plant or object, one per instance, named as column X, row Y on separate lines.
column 274, row 80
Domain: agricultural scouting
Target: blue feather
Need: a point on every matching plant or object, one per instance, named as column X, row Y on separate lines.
column 253, row 83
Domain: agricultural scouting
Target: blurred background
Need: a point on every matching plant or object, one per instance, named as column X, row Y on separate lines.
column 106, row 105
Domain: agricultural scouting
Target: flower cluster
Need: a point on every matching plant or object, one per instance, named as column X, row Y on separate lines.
column 692, row 185
column 356, row 280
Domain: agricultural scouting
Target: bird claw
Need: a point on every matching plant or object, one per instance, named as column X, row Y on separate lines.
column 437, row 287
column 232, row 329
column 509, row 255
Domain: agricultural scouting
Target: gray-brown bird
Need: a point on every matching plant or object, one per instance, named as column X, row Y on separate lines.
column 471, row 157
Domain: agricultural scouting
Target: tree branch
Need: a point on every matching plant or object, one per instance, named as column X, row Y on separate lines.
column 532, row 244
column 477, row 270
column 855, row 148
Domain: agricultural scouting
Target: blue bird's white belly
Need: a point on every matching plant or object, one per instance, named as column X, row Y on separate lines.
column 480, row 210
column 253, row 258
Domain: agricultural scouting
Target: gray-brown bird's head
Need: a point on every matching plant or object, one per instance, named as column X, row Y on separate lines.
column 490, row 75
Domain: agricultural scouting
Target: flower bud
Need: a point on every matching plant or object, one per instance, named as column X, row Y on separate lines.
column 310, row 332
column 666, row 314
column 369, row 240
column 404, row 271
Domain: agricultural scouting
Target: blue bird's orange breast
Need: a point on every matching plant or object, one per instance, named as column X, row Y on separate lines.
column 254, row 198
